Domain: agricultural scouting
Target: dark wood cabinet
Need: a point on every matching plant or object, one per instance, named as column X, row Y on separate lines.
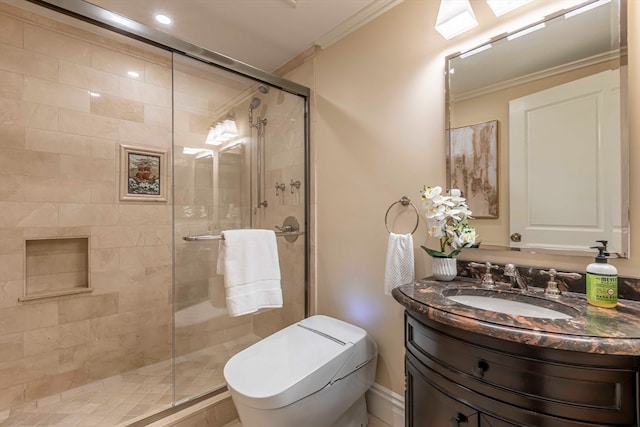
column 460, row 378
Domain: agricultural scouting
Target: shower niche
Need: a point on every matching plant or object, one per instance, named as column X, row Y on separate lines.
column 56, row 267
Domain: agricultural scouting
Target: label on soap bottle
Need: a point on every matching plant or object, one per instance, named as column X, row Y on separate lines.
column 602, row 290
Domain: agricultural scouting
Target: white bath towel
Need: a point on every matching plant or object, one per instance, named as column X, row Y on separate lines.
column 249, row 261
column 399, row 267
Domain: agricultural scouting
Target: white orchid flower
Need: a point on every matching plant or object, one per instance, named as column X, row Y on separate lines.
column 447, row 216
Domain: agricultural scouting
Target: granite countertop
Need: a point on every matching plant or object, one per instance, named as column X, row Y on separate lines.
column 590, row 329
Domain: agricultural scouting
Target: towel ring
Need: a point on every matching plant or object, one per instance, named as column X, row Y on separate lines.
column 404, row 201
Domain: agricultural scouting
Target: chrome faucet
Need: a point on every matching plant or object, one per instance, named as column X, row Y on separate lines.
column 517, row 282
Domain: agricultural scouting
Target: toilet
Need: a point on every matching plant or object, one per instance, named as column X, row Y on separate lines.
column 313, row 373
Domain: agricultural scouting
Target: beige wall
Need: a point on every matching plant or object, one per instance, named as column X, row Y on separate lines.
column 379, row 134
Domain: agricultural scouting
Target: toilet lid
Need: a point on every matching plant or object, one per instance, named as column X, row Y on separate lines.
column 292, row 363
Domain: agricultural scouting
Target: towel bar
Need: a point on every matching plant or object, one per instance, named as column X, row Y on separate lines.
column 220, row 237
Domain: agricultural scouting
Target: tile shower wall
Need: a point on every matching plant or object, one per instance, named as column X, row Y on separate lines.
column 59, row 173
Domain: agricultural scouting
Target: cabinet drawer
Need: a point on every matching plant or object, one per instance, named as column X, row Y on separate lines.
column 572, row 391
column 434, row 401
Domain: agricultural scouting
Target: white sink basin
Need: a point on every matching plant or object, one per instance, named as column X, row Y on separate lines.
column 507, row 306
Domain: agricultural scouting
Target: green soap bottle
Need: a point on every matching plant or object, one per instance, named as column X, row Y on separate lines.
column 602, row 279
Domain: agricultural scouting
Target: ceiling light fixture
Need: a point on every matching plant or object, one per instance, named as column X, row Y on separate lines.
column 500, row 7
column 133, row 74
column 454, row 18
column 163, row 19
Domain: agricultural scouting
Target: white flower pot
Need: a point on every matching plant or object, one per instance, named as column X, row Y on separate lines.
column 444, row 269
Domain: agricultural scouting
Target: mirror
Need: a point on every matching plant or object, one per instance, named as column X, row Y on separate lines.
column 553, row 156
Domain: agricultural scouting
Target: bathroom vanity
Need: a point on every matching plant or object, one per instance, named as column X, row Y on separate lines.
column 575, row 365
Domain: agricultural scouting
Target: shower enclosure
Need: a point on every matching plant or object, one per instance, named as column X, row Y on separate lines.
column 123, row 155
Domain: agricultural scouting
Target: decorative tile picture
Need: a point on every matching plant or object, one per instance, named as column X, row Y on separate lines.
column 142, row 174
column 474, row 158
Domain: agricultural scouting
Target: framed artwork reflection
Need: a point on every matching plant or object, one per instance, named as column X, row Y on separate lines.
column 143, row 174
column 473, row 158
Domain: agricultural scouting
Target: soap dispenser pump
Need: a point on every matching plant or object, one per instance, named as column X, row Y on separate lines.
column 602, row 279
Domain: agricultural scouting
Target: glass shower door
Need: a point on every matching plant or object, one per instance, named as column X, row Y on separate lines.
column 233, row 138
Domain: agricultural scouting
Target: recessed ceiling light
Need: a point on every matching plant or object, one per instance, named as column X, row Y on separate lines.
column 133, row 74
column 163, row 19
column 94, row 94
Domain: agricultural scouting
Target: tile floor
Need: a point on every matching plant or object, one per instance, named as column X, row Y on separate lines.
column 114, row 401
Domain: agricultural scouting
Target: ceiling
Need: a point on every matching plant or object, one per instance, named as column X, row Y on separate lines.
column 263, row 33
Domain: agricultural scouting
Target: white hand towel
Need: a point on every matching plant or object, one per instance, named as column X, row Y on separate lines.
column 399, row 267
column 249, row 261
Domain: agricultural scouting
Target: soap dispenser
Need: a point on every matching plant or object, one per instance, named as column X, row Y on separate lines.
column 602, row 279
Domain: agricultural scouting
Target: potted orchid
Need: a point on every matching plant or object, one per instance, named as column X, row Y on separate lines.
column 447, row 220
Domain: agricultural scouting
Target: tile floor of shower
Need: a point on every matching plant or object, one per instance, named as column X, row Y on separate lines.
column 121, row 399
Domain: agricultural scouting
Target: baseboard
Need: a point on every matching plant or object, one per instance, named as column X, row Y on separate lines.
column 386, row 405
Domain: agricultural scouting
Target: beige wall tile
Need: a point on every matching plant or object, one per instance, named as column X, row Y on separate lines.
column 78, row 123
column 12, row 112
column 11, row 31
column 158, row 75
column 50, row 384
column 105, row 259
column 55, row 94
column 115, row 62
column 103, row 148
column 15, row 214
column 10, row 84
column 39, row 189
column 28, row 63
column 52, row 43
column 11, row 396
column 75, row 214
column 40, row 116
column 137, row 214
column 87, row 169
column 117, row 237
column 157, row 116
column 27, row 317
column 11, row 188
column 76, row 357
column 19, row 162
column 12, row 267
column 50, row 339
column 82, row 308
column 88, row 78
column 10, row 291
column 132, row 258
column 118, row 108
column 57, row 142
column 11, row 347
column 104, row 192
column 137, row 90
column 143, row 134
column 11, row 136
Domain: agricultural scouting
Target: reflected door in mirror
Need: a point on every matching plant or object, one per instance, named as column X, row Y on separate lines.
column 565, row 165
